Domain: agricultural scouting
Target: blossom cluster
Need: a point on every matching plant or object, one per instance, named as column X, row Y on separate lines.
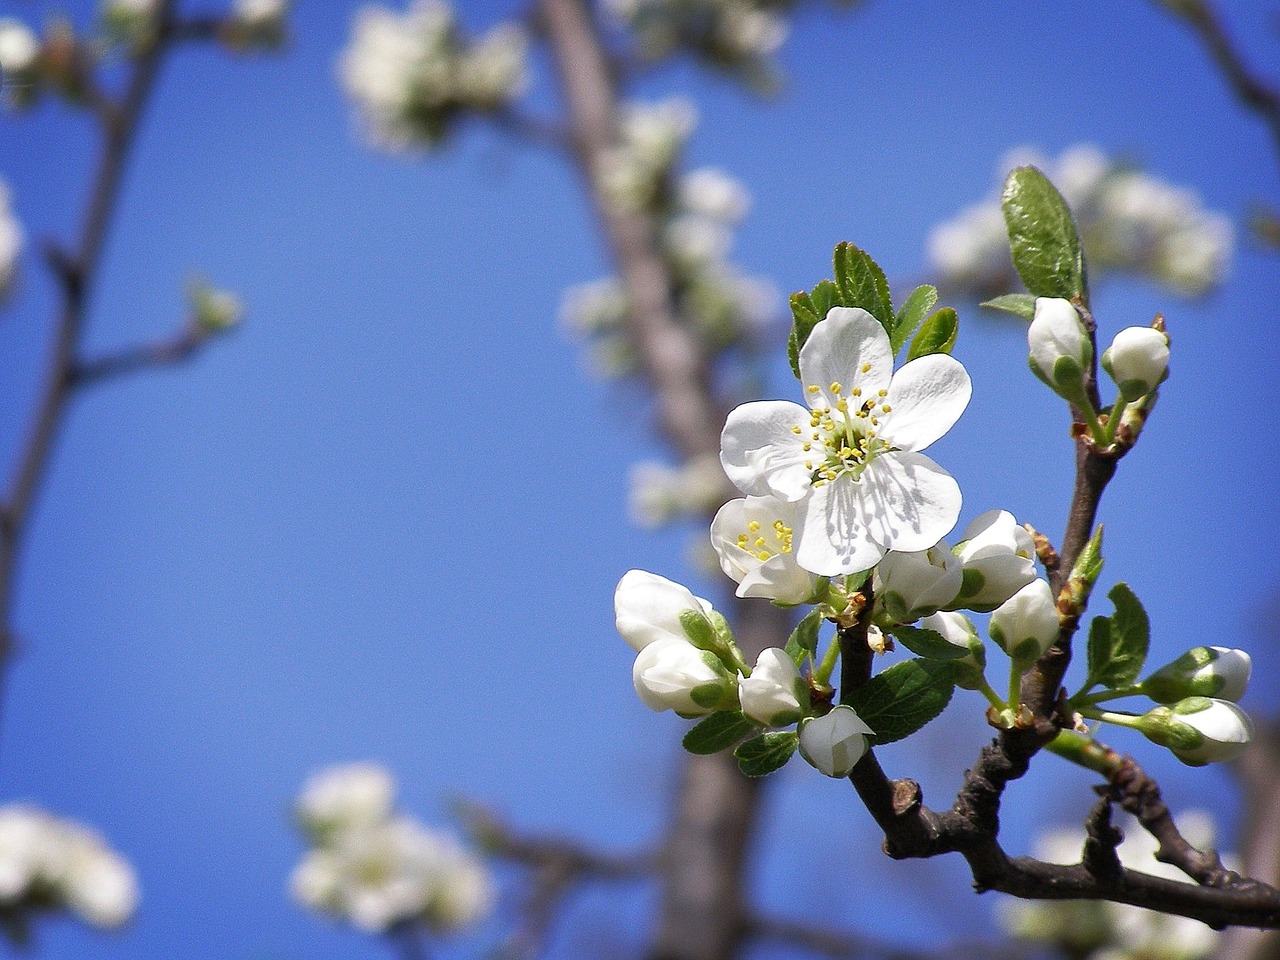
column 1102, row 930
column 50, row 863
column 10, row 237
column 412, row 75
column 738, row 36
column 376, row 868
column 694, row 215
column 1129, row 222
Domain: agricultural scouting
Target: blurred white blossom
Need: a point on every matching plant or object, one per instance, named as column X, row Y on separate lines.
column 10, row 241
column 660, row 494
column 48, row 862
column 411, row 74
column 375, row 868
column 1130, row 222
column 19, row 48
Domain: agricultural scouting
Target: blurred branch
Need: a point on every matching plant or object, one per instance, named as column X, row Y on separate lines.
column 159, row 353
column 1252, row 92
column 838, row 945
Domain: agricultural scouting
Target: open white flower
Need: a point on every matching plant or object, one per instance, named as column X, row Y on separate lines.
column 851, row 458
column 753, row 538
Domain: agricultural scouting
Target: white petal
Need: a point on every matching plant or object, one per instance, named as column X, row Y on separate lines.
column 847, row 340
column 925, row 400
column 906, row 501
column 831, row 536
column 760, row 451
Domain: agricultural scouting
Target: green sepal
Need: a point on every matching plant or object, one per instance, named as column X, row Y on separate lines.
column 719, row 695
column 1019, row 304
column 1118, row 644
column 862, row 284
column 926, row 643
column 713, row 635
column 936, row 335
column 902, row 699
column 1043, row 237
column 918, row 304
column 766, row 753
column 804, row 638
column 1084, row 574
column 718, row 732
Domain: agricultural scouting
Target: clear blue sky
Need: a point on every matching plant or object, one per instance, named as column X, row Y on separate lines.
column 312, row 545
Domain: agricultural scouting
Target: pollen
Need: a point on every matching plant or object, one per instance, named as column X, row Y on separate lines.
column 807, row 446
column 865, row 368
column 857, row 391
column 885, row 408
column 813, row 389
column 763, row 555
column 760, row 541
column 836, row 386
column 882, row 393
column 795, row 429
column 753, row 526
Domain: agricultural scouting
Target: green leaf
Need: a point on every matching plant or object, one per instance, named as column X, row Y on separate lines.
column 936, row 335
column 918, row 305
column 766, row 753
column 807, row 309
column 1020, row 304
column 1099, row 650
column 1042, row 236
column 862, row 284
column 902, row 699
column 718, row 731
column 804, row 638
column 1131, row 635
column 927, row 643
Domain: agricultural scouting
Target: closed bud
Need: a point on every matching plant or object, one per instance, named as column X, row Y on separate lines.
column 647, row 608
column 1199, row 730
column 1060, row 349
column 1219, row 672
column 775, row 694
column 213, row 310
column 673, row 674
column 958, row 630
column 997, row 555
column 909, row 586
column 1137, row 360
column 1026, row 624
column 835, row 743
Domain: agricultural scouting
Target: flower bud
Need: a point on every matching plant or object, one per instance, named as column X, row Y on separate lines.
column 959, row 630
column 1026, row 624
column 19, row 49
column 673, row 674
column 909, row 586
column 997, row 555
column 344, row 796
column 1060, row 347
column 647, row 607
column 1219, row 672
column 752, row 537
column 1199, row 730
column 1137, row 360
column 214, row 310
column 775, row 692
column 835, row 743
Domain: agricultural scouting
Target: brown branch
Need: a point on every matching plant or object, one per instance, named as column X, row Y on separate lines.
column 185, row 345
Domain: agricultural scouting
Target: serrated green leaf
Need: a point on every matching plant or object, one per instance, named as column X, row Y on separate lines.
column 1099, row 650
column 919, row 303
column 804, row 638
column 902, row 699
column 718, row 732
column 807, row 309
column 936, row 335
column 861, row 283
column 927, row 643
column 1019, row 304
column 1130, row 634
column 766, row 753
column 1042, row 236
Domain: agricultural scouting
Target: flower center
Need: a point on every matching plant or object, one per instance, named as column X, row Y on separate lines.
column 764, row 545
column 846, row 438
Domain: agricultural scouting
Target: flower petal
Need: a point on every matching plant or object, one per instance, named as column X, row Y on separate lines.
column 762, row 453
column 831, row 536
column 906, row 501
column 838, row 349
column 925, row 400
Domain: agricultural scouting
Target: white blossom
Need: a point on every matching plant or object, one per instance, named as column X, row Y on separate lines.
column 347, row 795
column 10, row 241
column 19, row 48
column 1060, row 350
column 971, row 251
column 958, row 630
column 997, row 555
column 673, row 674
column 834, row 744
column 1199, row 730
column 1221, row 672
column 1026, row 624
column 852, row 456
column 1137, row 360
column 659, row 493
column 913, row 585
column 753, row 538
column 774, row 693
column 650, row 138
column 710, row 192
column 647, row 608
column 260, row 13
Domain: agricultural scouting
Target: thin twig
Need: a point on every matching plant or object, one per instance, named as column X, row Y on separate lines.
column 159, row 353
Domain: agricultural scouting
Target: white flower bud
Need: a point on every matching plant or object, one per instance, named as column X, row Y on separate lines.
column 1060, row 346
column 1137, row 360
column 19, row 47
column 673, row 674
column 1219, row 672
column 997, row 555
column 835, row 743
column 913, row 585
column 214, row 310
column 647, row 608
column 710, row 192
column 1199, row 730
column 753, row 538
column 1026, row 624
column 775, row 691
column 99, row 885
column 347, row 795
column 958, row 630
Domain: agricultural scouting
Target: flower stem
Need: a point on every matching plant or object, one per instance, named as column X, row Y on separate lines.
column 989, row 692
column 1015, row 685
column 1107, row 716
column 827, row 666
column 1102, row 695
column 1086, row 752
column 1113, row 420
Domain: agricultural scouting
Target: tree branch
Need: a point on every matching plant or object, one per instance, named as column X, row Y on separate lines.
column 184, row 345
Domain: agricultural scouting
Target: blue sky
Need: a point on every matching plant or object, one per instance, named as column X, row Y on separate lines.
column 384, row 520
